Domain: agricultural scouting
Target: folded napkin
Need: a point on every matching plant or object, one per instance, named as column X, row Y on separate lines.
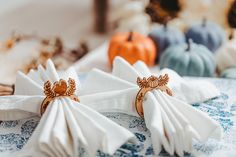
column 183, row 89
column 173, row 123
column 189, row 91
column 66, row 126
column 90, row 60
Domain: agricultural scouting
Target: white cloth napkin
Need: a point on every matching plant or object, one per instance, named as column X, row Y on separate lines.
column 183, row 89
column 189, row 91
column 97, row 58
column 66, row 125
column 173, row 124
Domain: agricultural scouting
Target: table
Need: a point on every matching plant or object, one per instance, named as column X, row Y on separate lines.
column 14, row 134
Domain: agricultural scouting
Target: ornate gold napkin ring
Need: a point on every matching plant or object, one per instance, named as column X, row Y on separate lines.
column 59, row 89
column 150, row 84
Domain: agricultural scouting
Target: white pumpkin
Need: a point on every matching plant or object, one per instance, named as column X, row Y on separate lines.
column 213, row 10
column 131, row 16
column 226, row 55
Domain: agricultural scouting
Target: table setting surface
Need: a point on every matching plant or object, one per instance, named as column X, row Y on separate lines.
column 15, row 134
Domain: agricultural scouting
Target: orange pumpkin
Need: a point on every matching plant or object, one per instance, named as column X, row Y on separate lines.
column 132, row 47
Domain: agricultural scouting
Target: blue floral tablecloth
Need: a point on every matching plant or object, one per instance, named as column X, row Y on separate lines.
column 14, row 134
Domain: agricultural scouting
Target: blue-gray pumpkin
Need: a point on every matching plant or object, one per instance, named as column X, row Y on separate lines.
column 165, row 36
column 229, row 73
column 207, row 33
column 189, row 60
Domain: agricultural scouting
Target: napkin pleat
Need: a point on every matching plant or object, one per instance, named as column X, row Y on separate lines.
column 124, row 71
column 174, row 121
column 42, row 74
column 179, row 119
column 26, row 86
column 104, row 125
column 89, row 125
column 51, row 71
column 200, row 121
column 193, row 91
column 170, row 131
column 188, row 140
column 45, row 135
column 108, row 83
column 14, row 115
column 78, row 138
column 35, row 137
column 107, row 100
column 61, row 136
column 34, row 75
column 19, row 107
column 142, row 69
column 155, row 123
column 184, row 123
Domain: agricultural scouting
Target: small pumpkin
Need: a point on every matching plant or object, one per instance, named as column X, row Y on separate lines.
column 189, row 60
column 226, row 55
column 132, row 47
column 164, row 37
column 207, row 33
column 229, row 73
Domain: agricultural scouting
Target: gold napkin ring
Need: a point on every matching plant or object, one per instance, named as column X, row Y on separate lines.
column 150, row 84
column 59, row 89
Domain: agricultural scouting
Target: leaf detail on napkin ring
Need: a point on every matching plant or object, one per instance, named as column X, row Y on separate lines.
column 149, row 84
column 60, row 88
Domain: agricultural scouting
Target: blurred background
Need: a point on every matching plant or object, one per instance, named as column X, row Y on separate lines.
column 89, row 33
